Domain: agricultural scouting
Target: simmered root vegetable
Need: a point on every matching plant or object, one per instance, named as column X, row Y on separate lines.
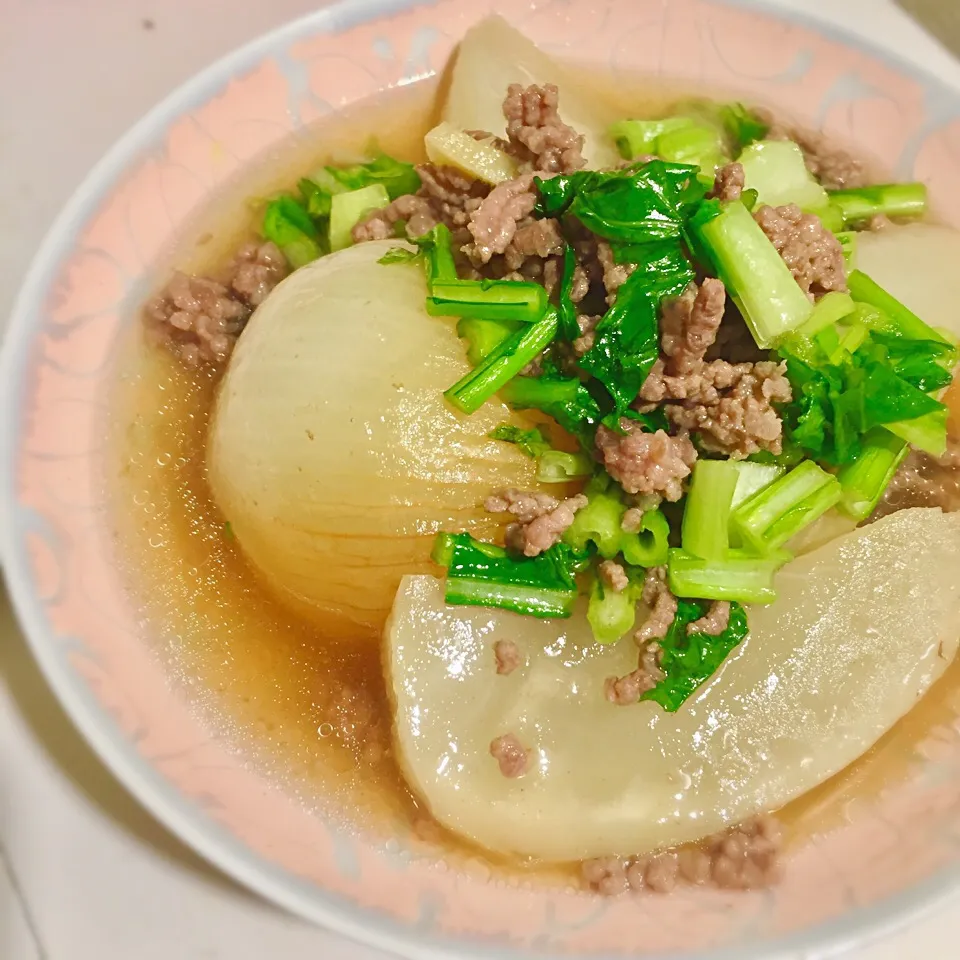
column 493, row 55
column 917, row 263
column 332, row 452
column 862, row 627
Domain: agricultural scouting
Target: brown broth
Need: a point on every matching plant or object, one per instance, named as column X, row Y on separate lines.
column 309, row 711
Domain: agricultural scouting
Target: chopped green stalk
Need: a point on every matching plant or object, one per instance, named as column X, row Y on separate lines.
column 755, row 275
column 484, row 336
column 438, row 247
column 927, row 433
column 827, row 311
column 769, row 518
column 777, row 171
column 316, row 198
column 848, row 243
column 527, row 393
column 706, row 517
column 531, row 442
column 348, row 209
column 650, row 545
column 598, row 523
column 287, row 224
column 831, row 216
column 610, row 614
column 503, row 364
column 864, row 480
column 696, row 143
column 752, row 477
column 852, row 338
column 487, row 300
column 738, row 576
column 637, row 137
column 482, row 574
column 555, row 466
column 903, row 321
column 890, row 199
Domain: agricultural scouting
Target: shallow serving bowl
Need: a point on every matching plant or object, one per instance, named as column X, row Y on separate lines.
column 891, row 858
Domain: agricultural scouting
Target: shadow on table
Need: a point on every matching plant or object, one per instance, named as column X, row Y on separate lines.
column 64, row 745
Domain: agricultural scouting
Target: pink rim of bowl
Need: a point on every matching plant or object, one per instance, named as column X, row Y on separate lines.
column 893, row 860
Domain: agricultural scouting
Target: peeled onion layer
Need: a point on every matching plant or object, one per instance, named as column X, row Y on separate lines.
column 332, row 451
column 917, row 263
column 861, row 629
column 491, row 56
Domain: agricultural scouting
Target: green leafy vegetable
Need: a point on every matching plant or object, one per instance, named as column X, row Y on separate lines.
column 566, row 309
column 502, row 364
column 643, row 203
column 487, row 299
column 482, row 574
column 532, row 442
column 555, row 466
column 775, row 514
column 287, row 224
column 902, row 321
column 743, row 126
column 315, row 198
column 399, row 255
column 865, row 478
column 778, row 172
column 740, row 576
column 484, row 336
column 348, row 209
column 891, row 199
column 600, row 525
column 395, row 176
column 627, row 341
column 690, row 659
column 566, row 399
column 752, row 270
column 706, row 516
column 611, row 614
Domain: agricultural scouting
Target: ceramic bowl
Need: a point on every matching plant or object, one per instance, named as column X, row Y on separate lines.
column 890, row 858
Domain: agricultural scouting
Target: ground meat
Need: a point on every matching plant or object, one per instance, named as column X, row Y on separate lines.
column 606, row 875
column 493, row 225
column 743, row 421
column 706, row 385
column 646, row 462
column 834, row 168
column 588, row 334
column 534, row 239
column 714, row 622
column 198, row 318
column 508, row 657
column 729, row 182
column 745, row 857
column 658, row 872
column 626, row 690
column 541, row 519
column 632, row 520
column 417, row 212
column 614, row 274
column 923, row 481
column 526, row 507
column 689, row 325
column 812, row 252
column 257, row 269
column 538, row 137
column 613, row 576
column 880, row 222
column 511, row 755
column 446, row 195
column 663, row 608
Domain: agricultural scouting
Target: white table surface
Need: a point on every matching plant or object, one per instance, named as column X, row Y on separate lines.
column 85, row 872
